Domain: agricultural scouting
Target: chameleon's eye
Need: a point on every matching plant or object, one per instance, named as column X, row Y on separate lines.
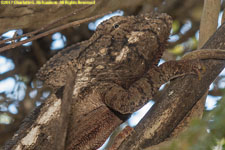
column 116, row 26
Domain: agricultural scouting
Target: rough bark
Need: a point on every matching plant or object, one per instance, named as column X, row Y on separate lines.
column 41, row 129
column 176, row 101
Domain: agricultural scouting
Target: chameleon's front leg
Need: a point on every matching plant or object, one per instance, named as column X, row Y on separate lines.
column 129, row 100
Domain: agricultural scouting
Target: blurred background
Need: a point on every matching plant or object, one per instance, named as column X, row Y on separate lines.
column 21, row 92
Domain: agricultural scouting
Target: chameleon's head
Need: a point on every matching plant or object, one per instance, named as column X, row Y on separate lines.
column 137, row 41
column 137, row 27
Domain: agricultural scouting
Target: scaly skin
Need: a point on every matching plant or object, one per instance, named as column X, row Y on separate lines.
column 118, row 68
column 120, row 53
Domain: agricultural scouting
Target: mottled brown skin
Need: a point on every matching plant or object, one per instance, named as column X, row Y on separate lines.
column 117, row 68
column 120, row 52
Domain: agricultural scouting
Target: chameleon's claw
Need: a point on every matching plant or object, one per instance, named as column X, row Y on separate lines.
column 200, row 70
column 203, row 69
column 199, row 75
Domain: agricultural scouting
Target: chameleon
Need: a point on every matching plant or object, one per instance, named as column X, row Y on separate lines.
column 116, row 59
column 121, row 59
column 117, row 68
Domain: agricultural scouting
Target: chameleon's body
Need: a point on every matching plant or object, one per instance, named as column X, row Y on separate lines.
column 118, row 68
column 110, row 63
column 121, row 51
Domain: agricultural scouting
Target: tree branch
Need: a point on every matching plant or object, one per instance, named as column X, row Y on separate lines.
column 62, row 27
column 175, row 101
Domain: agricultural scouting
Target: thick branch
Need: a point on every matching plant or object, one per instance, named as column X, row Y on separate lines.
column 176, row 101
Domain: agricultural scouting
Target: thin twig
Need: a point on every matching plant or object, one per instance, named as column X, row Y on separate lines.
column 75, row 24
column 30, row 34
